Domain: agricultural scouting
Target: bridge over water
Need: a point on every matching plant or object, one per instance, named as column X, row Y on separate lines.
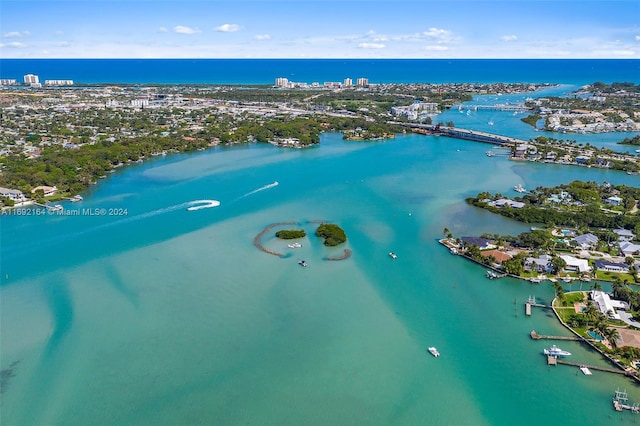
column 457, row 133
column 496, row 107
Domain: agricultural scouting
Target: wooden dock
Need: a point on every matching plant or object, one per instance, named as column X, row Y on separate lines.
column 535, row 336
column 594, row 367
column 527, row 309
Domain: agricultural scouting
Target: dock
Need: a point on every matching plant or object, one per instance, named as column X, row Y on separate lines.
column 594, row 367
column 554, row 360
column 620, row 402
column 535, row 336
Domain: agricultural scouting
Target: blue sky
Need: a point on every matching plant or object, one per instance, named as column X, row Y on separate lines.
column 320, row 29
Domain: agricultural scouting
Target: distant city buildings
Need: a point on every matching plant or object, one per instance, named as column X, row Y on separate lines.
column 58, row 82
column 284, row 83
column 33, row 80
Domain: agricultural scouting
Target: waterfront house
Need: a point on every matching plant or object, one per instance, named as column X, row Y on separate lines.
column 482, row 243
column 574, row 264
column 606, row 305
column 498, row 255
column 48, row 190
column 629, row 249
column 603, row 265
column 505, row 202
column 562, row 197
column 540, row 264
column 624, row 234
column 614, row 201
column 586, row 241
column 13, row 194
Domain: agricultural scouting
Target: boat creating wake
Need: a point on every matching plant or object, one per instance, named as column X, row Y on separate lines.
column 262, row 188
column 202, row 204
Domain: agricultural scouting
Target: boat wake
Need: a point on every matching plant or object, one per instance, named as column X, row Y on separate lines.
column 202, row 204
column 262, row 188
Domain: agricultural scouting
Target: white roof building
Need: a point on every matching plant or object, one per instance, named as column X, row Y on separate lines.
column 575, row 264
column 629, row 249
column 606, row 305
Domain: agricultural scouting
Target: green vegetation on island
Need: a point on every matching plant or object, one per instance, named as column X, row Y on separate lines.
column 630, row 141
column 333, row 235
column 291, row 234
column 578, row 205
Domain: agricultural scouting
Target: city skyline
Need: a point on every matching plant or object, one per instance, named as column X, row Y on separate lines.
column 313, row 29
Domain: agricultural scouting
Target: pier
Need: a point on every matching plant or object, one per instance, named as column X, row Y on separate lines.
column 593, row 367
column 620, row 402
column 535, row 336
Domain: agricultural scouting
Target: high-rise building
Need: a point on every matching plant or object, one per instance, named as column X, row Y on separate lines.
column 282, row 82
column 348, row 82
column 363, row 81
column 31, row 79
column 8, row 82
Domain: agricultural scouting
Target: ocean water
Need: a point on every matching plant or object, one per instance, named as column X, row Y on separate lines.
column 265, row 71
column 170, row 316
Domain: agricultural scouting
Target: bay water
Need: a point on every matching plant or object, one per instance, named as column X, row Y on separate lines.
column 160, row 315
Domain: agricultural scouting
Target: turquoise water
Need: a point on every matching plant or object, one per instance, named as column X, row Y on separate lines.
column 169, row 316
column 595, row 335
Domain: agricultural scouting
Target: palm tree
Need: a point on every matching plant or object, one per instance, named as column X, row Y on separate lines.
column 612, row 335
column 590, row 312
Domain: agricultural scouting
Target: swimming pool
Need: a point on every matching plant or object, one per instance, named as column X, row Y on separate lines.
column 595, row 335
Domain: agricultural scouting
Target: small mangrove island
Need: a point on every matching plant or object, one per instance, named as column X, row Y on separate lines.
column 333, row 235
column 291, row 234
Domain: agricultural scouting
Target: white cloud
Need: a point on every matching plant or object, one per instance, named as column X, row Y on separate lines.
column 438, row 48
column 623, row 53
column 371, row 46
column 16, row 34
column 228, row 28
column 14, row 45
column 262, row 37
column 638, row 38
column 181, row 29
column 509, row 38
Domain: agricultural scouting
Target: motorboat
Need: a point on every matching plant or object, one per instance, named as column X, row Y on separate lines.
column 519, row 188
column 453, row 250
column 585, row 370
column 303, row 263
column 556, row 351
column 490, row 153
column 294, row 245
column 76, row 198
column 491, row 274
column 433, row 351
column 393, row 255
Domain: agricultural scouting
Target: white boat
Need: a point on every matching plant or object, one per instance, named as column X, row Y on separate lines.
column 490, row 153
column 55, row 208
column 490, row 123
column 434, row 351
column 519, row 188
column 556, row 351
column 585, row 371
column 302, row 263
column 76, row 198
column 393, row 255
column 453, row 250
column 294, row 245
column 491, row 274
